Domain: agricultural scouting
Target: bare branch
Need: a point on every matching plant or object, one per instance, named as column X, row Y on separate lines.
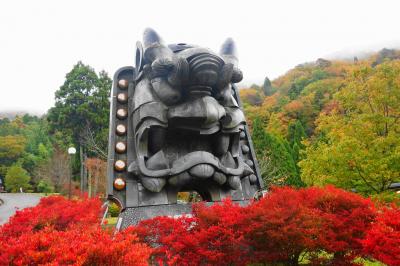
column 88, row 140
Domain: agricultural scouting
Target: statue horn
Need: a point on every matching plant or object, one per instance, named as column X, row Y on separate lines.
column 228, row 48
column 151, row 37
column 154, row 47
column 229, row 53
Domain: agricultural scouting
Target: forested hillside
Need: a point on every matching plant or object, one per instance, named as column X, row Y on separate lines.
column 330, row 122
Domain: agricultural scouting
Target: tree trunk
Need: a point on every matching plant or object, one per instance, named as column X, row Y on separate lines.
column 96, row 183
column 90, row 185
column 85, row 172
column 81, row 167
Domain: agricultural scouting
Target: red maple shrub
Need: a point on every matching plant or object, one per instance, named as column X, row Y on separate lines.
column 289, row 222
column 76, row 246
column 55, row 211
column 383, row 239
column 282, row 226
column 67, row 232
column 347, row 217
column 279, row 228
column 212, row 236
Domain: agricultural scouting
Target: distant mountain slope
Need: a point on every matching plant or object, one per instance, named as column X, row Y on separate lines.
column 304, row 91
column 336, row 118
column 12, row 114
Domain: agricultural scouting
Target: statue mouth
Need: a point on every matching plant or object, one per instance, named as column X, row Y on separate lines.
column 186, row 163
column 197, row 91
column 184, row 155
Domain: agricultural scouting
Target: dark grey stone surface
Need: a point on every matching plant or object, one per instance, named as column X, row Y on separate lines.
column 186, row 130
column 132, row 216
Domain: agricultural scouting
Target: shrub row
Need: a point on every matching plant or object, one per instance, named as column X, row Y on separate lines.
column 317, row 226
column 67, row 232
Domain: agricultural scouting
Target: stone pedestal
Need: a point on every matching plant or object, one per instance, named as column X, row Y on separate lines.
column 132, row 216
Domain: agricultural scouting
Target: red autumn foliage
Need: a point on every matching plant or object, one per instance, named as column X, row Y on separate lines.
column 383, row 239
column 276, row 229
column 76, row 246
column 288, row 222
column 211, row 237
column 67, row 232
column 56, row 212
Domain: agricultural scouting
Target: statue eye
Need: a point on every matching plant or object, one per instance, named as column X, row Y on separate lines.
column 182, row 44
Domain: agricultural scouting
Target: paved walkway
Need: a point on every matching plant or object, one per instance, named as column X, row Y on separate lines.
column 16, row 201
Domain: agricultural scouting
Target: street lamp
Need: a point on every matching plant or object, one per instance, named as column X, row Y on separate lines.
column 71, row 152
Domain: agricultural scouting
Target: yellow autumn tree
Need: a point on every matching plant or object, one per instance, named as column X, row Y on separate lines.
column 358, row 142
column 11, row 149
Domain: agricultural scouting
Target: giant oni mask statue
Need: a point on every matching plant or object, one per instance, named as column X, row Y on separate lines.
column 176, row 125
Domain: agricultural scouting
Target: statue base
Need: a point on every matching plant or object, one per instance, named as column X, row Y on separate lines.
column 133, row 215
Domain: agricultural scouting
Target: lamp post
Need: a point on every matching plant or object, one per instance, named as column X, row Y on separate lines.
column 71, row 152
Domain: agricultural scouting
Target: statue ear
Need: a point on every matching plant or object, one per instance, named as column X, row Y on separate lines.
column 151, row 37
column 228, row 48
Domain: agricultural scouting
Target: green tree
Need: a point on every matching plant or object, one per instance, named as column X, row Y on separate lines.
column 102, row 108
column 24, row 140
column 277, row 164
column 296, row 135
column 16, row 178
column 81, row 103
column 27, row 118
column 4, row 121
column 267, row 87
column 44, row 186
column 73, row 106
column 38, row 146
column 81, row 112
column 9, row 128
column 301, row 82
column 11, row 149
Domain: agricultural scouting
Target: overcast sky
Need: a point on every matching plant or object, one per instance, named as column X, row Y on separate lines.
column 41, row 40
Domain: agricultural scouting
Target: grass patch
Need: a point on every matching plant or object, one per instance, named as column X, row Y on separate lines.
column 111, row 222
column 304, row 259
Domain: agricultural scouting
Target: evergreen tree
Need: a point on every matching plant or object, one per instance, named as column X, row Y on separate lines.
column 81, row 111
column 102, row 108
column 296, row 134
column 274, row 154
column 75, row 101
column 267, row 87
